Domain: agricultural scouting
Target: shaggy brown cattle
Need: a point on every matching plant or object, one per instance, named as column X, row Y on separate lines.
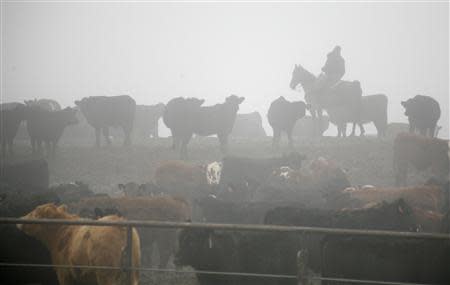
column 160, row 208
column 84, row 245
column 422, row 153
column 426, row 197
column 181, row 178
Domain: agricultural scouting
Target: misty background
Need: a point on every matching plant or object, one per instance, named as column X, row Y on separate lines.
column 157, row 51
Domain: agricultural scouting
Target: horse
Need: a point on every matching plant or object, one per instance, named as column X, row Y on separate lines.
column 341, row 101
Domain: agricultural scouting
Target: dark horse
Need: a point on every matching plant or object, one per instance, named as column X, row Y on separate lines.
column 341, row 101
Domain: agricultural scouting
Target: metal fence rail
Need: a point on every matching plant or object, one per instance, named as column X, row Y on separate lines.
column 302, row 276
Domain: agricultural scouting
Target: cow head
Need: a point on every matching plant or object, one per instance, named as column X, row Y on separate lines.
column 70, row 116
column 47, row 211
column 233, row 102
column 410, row 106
column 192, row 243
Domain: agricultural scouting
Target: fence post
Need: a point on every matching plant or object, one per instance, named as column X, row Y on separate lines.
column 302, row 267
column 129, row 254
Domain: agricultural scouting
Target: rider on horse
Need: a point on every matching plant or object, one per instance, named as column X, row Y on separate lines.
column 333, row 70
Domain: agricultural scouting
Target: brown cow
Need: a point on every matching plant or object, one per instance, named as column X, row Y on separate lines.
column 84, row 245
column 421, row 152
column 158, row 208
column 426, row 197
column 181, row 178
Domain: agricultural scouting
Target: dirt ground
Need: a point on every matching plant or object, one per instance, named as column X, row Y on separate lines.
column 367, row 160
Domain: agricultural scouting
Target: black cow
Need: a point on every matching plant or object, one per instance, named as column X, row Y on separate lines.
column 103, row 112
column 217, row 120
column 241, row 176
column 27, row 173
column 48, row 126
column 186, row 117
column 248, row 126
column 146, row 120
column 215, row 210
column 374, row 109
column 259, row 253
column 396, row 216
column 16, row 246
column 178, row 117
column 423, row 113
column 387, row 259
column 282, row 116
column 11, row 115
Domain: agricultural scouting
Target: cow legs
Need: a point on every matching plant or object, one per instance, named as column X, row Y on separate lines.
column 183, row 148
column 317, row 123
column 156, row 131
column 432, row 131
column 97, row 137
column 362, row 131
column 106, row 135
column 223, row 139
column 127, row 132
column 353, row 130
column 276, row 138
column 290, row 140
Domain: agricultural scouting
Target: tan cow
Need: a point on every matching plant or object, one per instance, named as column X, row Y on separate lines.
column 421, row 152
column 181, row 178
column 157, row 208
column 84, row 245
column 426, row 197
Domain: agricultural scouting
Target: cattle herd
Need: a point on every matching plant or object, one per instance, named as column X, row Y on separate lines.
column 290, row 189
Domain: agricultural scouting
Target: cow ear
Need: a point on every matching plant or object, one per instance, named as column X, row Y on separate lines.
column 241, row 99
column 121, row 186
column 62, row 208
column 403, row 103
column 77, row 102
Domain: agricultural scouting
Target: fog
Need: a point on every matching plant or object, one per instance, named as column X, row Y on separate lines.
column 157, row 51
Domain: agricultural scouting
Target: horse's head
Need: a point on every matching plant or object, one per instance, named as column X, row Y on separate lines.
column 299, row 75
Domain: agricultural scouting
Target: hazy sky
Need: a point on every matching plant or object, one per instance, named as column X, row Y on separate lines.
column 157, row 51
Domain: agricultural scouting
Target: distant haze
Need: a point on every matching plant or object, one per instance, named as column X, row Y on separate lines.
column 157, row 51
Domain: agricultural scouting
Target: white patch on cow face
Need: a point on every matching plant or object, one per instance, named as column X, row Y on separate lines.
column 285, row 172
column 213, row 173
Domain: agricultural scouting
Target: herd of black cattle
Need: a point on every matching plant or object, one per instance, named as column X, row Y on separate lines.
column 273, row 191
